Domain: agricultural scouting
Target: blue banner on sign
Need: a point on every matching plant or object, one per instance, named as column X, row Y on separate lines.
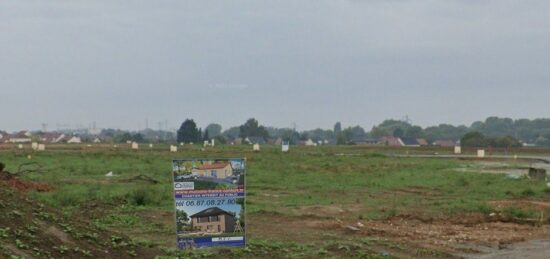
column 209, row 197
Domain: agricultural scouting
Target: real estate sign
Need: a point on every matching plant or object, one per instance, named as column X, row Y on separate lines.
column 209, row 199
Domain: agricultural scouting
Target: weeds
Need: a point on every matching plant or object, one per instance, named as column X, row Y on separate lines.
column 519, row 213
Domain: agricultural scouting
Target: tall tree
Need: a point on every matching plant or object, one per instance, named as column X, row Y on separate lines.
column 213, row 129
column 413, row 132
column 398, row 133
column 182, row 220
column 232, row 132
column 138, row 137
column 338, row 135
column 188, row 132
column 474, row 139
column 206, row 137
column 351, row 133
column 251, row 128
column 337, row 129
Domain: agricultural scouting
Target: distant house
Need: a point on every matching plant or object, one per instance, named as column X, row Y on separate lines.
column 410, row 142
column 444, row 143
column 422, row 142
column 213, row 220
column 52, row 137
column 278, row 141
column 96, row 140
column 217, row 170
column 3, row 136
column 74, row 140
column 20, row 137
column 330, row 142
column 255, row 140
column 364, row 141
column 391, row 141
column 308, row 142
column 238, row 141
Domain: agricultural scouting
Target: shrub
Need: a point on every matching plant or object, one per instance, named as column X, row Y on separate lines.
column 143, row 197
column 528, row 192
column 519, row 213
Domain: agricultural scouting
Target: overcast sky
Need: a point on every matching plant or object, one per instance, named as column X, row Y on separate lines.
column 314, row 62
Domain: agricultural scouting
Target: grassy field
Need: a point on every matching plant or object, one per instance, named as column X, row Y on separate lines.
column 293, row 198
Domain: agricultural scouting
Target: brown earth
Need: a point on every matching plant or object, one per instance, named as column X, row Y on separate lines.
column 30, row 230
column 13, row 182
column 456, row 236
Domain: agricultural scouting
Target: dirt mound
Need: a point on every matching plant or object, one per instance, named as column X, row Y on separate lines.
column 13, row 182
column 29, row 229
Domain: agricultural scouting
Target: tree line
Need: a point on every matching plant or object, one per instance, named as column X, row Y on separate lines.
column 493, row 131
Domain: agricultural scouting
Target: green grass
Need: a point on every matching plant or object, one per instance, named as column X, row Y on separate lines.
column 375, row 185
column 304, row 176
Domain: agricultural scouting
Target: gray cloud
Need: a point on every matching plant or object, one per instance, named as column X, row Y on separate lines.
column 309, row 62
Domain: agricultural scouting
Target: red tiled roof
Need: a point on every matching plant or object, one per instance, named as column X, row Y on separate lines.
column 213, row 166
column 391, row 141
column 422, row 142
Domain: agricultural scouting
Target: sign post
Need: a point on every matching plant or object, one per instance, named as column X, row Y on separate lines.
column 209, row 197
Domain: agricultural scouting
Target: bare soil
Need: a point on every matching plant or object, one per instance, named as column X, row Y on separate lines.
column 28, row 229
column 464, row 235
column 13, row 182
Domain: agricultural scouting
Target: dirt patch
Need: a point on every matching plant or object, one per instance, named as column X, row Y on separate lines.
column 140, row 178
column 320, row 211
column 31, row 230
column 464, row 234
column 536, row 204
column 58, row 233
column 447, row 234
column 418, row 190
column 534, row 249
column 13, row 182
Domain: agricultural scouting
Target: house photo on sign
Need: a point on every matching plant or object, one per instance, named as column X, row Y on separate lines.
column 209, row 200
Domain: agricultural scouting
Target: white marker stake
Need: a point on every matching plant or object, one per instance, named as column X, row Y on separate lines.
column 285, row 148
column 256, row 147
column 458, row 150
column 41, row 147
column 20, row 146
column 173, row 149
column 34, row 146
column 135, row 146
column 481, row 153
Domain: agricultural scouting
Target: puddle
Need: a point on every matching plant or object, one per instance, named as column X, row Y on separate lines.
column 531, row 249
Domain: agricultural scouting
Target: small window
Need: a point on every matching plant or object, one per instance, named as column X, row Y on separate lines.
column 214, row 219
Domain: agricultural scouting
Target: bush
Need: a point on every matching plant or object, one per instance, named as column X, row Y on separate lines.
column 519, row 213
column 528, row 193
column 143, row 197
